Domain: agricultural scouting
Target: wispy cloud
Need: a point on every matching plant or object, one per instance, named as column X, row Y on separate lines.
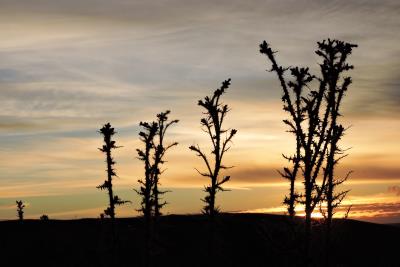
column 394, row 189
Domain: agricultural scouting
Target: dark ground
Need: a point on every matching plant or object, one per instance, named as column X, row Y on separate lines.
column 241, row 240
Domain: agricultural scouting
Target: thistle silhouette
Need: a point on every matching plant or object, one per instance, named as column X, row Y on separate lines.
column 147, row 135
column 215, row 113
column 44, row 217
column 313, row 121
column 160, row 151
column 107, row 131
column 153, row 137
column 20, row 209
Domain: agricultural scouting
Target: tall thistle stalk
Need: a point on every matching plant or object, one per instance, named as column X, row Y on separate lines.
column 107, row 131
column 215, row 113
column 160, row 150
column 20, row 209
column 147, row 136
column 313, row 114
column 153, row 137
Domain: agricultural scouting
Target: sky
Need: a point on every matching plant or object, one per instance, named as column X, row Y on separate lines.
column 68, row 67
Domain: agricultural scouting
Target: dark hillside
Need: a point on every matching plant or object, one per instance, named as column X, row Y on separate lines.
column 245, row 240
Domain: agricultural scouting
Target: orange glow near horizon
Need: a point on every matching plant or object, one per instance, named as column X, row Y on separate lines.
column 364, row 208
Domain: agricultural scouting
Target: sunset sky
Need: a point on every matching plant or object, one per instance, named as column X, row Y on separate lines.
column 68, row 66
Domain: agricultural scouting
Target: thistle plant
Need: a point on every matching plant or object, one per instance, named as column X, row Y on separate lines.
column 160, row 150
column 20, row 209
column 215, row 113
column 312, row 119
column 107, row 131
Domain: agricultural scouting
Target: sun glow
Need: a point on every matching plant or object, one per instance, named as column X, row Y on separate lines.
column 355, row 207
